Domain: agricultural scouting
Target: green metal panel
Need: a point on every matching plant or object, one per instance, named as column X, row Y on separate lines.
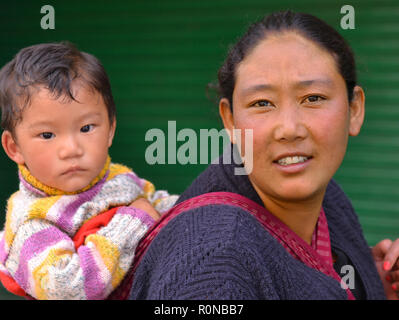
column 160, row 55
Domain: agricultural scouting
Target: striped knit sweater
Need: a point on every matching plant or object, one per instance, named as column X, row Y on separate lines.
column 36, row 247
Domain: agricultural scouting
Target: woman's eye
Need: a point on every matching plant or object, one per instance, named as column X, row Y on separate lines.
column 46, row 135
column 314, row 98
column 87, row 128
column 261, row 103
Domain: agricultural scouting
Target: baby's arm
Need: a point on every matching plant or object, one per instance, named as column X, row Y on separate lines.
column 145, row 205
column 44, row 262
column 161, row 200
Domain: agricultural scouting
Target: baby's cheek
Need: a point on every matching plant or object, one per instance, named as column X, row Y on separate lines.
column 97, row 157
column 42, row 163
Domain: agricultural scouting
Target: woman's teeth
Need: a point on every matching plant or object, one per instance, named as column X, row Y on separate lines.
column 291, row 160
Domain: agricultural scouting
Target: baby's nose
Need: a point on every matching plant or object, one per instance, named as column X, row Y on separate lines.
column 70, row 147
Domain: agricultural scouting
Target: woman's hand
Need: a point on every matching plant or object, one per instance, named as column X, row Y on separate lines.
column 386, row 254
column 146, row 206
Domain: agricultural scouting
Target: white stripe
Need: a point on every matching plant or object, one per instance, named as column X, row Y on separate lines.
column 24, row 233
column 57, row 208
column 104, row 273
column 121, row 190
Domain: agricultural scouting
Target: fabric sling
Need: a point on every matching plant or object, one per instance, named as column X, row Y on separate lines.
column 317, row 255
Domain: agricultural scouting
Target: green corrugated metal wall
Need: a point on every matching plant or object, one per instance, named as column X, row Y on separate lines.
column 160, row 55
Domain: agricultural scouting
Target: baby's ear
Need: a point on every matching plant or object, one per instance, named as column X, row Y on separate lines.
column 111, row 132
column 11, row 147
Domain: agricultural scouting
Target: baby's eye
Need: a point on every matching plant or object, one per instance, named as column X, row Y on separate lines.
column 87, row 128
column 46, row 135
column 261, row 103
column 314, row 98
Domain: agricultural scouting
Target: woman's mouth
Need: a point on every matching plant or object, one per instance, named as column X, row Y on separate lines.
column 292, row 160
column 292, row 163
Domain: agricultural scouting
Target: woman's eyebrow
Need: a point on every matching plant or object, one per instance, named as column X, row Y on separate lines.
column 300, row 84
column 257, row 88
column 321, row 81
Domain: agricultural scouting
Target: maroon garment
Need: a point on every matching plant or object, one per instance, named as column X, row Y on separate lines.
column 317, row 255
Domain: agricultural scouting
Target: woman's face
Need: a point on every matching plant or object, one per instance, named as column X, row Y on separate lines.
column 290, row 92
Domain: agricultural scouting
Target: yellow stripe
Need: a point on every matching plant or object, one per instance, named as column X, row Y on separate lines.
column 148, row 189
column 40, row 207
column 110, row 256
column 55, row 192
column 116, row 169
column 40, row 274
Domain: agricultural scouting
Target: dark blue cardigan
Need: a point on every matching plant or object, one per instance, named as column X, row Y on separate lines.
column 222, row 252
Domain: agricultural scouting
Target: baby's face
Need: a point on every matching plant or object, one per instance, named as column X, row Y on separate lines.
column 64, row 144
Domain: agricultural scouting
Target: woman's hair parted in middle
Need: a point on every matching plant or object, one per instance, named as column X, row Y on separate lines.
column 308, row 26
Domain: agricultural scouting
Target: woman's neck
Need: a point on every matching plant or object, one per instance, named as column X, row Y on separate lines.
column 300, row 216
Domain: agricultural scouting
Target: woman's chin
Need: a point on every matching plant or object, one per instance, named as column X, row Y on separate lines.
column 298, row 193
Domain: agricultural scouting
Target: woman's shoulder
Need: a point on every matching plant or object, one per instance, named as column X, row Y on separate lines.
column 220, row 232
column 207, row 252
column 213, row 222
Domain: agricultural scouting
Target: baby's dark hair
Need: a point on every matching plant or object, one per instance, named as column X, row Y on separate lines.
column 309, row 26
column 55, row 67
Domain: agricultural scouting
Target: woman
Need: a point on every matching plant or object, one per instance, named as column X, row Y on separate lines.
column 292, row 80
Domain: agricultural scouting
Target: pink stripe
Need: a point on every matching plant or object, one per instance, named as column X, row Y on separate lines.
column 65, row 219
column 322, row 237
column 324, row 253
column 322, row 240
column 3, row 253
column 136, row 179
column 30, row 187
column 323, row 244
column 137, row 213
column 32, row 247
column 94, row 287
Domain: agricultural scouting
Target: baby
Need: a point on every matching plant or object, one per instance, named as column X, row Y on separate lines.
column 58, row 116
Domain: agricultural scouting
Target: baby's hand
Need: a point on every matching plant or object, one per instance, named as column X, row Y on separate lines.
column 146, row 206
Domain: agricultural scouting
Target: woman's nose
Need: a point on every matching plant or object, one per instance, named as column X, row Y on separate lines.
column 289, row 124
column 70, row 147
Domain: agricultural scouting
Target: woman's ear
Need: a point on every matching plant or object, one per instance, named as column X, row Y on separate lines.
column 11, row 147
column 357, row 111
column 111, row 132
column 227, row 117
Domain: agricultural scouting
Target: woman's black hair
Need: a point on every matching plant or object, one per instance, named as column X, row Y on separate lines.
column 308, row 26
